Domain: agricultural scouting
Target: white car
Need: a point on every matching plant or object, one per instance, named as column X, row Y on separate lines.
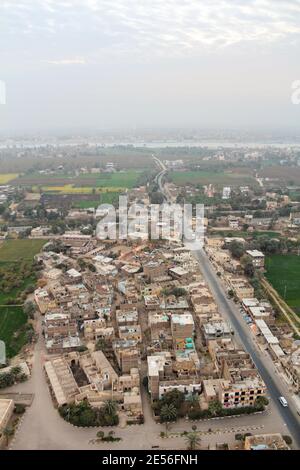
column 283, row 402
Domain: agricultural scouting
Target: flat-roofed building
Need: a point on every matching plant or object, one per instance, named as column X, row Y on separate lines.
column 182, row 326
column 241, row 288
column 159, row 324
column 265, row 442
column 6, row 411
column 257, row 258
column 127, row 354
column 61, row 381
column 217, row 329
column 131, row 332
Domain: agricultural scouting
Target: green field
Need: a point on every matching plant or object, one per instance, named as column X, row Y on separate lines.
column 119, row 179
column 12, row 320
column 86, row 204
column 206, row 177
column 16, row 257
column 122, row 179
column 14, row 250
column 109, row 197
column 283, row 272
column 242, row 234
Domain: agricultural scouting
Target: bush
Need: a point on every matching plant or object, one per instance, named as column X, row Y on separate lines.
column 194, row 414
column 288, row 440
column 145, row 382
column 19, row 409
column 84, row 415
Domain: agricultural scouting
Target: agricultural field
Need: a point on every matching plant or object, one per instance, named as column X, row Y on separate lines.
column 16, row 274
column 240, row 233
column 218, row 179
column 72, row 189
column 283, row 272
column 15, row 250
column 283, row 175
column 7, row 177
column 83, row 184
column 295, row 195
column 86, row 204
column 105, row 197
column 12, row 329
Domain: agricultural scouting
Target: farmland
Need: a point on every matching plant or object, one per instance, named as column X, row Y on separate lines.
column 283, row 272
column 71, row 189
column 105, row 197
column 12, row 329
column 210, row 177
column 239, row 233
column 283, row 175
column 6, row 177
column 15, row 250
column 16, row 275
column 83, row 184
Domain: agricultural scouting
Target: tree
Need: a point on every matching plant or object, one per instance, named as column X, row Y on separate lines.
column 193, row 441
column 29, row 309
column 8, row 432
column 168, row 412
column 101, row 345
column 249, row 269
column 110, row 408
column 261, row 401
column 215, row 408
column 236, row 249
column 174, row 397
column 288, row 440
column 16, row 370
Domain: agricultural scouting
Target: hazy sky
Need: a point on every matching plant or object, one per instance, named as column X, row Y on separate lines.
column 138, row 63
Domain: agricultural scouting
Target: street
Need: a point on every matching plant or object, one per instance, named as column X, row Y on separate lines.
column 264, row 364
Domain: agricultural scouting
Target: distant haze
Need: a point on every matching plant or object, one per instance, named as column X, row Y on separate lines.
column 138, row 63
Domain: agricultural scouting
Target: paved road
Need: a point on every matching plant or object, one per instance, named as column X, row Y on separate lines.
column 266, row 368
column 263, row 362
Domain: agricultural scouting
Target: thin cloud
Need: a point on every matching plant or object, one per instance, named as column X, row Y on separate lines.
column 74, row 61
column 158, row 26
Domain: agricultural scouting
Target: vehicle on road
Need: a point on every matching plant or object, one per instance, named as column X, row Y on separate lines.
column 283, row 401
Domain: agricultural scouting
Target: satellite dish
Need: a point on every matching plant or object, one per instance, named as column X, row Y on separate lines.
column 2, row 352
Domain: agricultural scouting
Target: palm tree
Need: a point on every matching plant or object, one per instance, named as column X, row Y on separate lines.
column 110, row 408
column 168, row 413
column 8, row 432
column 193, row 440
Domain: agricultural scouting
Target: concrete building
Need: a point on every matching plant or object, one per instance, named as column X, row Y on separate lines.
column 257, row 258
column 6, row 411
column 127, row 354
column 61, row 381
column 182, row 326
column 164, row 375
column 265, row 442
column 218, row 328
